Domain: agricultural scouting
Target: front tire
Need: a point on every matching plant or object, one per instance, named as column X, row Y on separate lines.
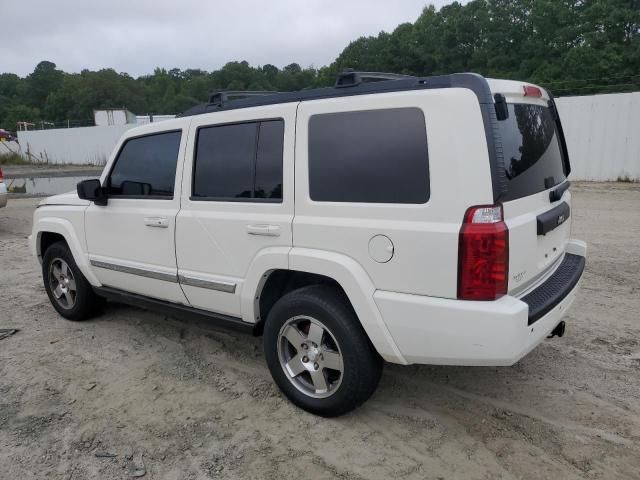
column 69, row 291
column 318, row 353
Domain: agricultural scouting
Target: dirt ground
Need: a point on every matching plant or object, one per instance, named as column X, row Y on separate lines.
column 132, row 393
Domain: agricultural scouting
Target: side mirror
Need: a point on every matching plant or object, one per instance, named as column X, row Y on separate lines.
column 93, row 191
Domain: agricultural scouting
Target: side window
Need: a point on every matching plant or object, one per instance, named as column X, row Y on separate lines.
column 146, row 166
column 239, row 161
column 373, row 156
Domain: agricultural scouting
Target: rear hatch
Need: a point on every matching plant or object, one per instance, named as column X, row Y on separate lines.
column 536, row 203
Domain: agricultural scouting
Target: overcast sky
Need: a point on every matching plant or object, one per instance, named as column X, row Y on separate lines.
column 135, row 36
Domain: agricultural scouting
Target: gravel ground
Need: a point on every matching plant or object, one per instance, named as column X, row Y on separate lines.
column 135, row 394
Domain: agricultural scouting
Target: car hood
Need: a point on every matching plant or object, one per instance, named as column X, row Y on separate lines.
column 69, row 198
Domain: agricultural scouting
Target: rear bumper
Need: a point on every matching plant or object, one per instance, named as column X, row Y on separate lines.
column 443, row 331
column 3, row 195
column 544, row 298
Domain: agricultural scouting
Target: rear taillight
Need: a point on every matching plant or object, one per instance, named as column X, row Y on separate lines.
column 483, row 254
column 1, row 176
column 531, row 91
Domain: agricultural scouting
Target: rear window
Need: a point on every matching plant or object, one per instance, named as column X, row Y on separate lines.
column 532, row 153
column 373, row 156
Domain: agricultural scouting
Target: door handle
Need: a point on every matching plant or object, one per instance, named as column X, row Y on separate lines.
column 264, row 230
column 158, row 222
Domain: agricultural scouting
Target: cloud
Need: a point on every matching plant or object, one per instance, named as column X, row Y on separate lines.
column 136, row 36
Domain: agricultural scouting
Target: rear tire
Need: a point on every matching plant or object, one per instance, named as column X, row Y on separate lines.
column 69, row 291
column 318, row 353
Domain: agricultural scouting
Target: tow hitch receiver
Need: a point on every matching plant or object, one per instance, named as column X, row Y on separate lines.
column 558, row 331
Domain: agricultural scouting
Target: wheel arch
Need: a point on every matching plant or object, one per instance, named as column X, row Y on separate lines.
column 310, row 266
column 50, row 230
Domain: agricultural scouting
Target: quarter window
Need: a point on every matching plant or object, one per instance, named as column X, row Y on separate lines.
column 146, row 167
column 374, row 156
column 239, row 161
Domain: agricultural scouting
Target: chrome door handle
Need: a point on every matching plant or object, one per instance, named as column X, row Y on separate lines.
column 158, row 222
column 264, row 230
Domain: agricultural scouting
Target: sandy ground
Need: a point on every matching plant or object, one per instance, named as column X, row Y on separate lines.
column 132, row 393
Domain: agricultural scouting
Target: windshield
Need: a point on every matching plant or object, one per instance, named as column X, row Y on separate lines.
column 532, row 153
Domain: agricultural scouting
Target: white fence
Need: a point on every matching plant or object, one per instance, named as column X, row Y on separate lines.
column 84, row 145
column 603, row 135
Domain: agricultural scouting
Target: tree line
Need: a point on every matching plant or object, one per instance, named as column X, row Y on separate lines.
column 572, row 47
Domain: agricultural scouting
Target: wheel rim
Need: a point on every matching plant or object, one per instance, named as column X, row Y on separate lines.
column 310, row 356
column 62, row 283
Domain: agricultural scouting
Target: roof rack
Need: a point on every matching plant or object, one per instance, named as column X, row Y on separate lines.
column 221, row 97
column 350, row 78
column 475, row 83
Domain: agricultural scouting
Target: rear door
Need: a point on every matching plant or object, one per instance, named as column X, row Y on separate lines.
column 237, row 201
column 535, row 166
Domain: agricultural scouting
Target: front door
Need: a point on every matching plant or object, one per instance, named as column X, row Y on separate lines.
column 131, row 240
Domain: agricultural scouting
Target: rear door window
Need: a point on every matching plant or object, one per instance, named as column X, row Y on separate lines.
column 372, row 156
column 239, row 162
column 532, row 152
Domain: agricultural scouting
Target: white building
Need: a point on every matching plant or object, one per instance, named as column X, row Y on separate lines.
column 113, row 116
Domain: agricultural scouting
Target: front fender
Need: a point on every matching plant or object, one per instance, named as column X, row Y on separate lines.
column 65, row 228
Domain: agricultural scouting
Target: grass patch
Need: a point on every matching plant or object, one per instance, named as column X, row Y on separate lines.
column 627, row 179
column 13, row 159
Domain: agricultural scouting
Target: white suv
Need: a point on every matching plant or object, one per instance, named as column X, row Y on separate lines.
column 412, row 220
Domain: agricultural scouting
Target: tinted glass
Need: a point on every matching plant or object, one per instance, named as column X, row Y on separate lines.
column 240, row 161
column 531, row 150
column 269, row 160
column 224, row 162
column 377, row 156
column 146, row 166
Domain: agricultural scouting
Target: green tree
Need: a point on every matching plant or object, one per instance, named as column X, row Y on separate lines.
column 44, row 80
column 569, row 46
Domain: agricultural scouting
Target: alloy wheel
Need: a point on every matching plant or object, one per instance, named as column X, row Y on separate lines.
column 310, row 356
column 62, row 283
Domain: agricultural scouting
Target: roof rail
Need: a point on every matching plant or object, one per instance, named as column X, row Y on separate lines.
column 350, row 78
column 221, row 97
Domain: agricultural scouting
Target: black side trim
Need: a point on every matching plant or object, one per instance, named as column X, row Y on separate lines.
column 556, row 194
column 544, row 298
column 552, row 219
column 218, row 320
column 563, row 142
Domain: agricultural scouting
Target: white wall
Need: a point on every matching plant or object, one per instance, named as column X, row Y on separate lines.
column 603, row 135
column 85, row 145
column 9, row 147
column 144, row 119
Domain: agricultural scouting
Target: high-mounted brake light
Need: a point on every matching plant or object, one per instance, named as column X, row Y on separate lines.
column 483, row 254
column 531, row 91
